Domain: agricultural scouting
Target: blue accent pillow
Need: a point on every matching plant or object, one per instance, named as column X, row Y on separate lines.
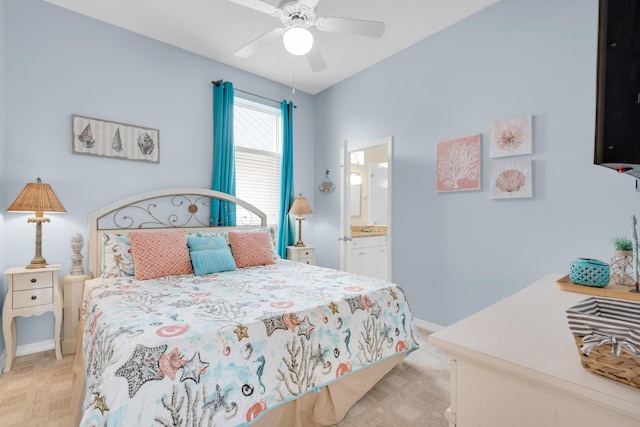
column 209, row 261
column 197, row 243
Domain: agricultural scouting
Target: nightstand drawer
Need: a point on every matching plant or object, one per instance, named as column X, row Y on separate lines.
column 305, row 254
column 33, row 297
column 35, row 280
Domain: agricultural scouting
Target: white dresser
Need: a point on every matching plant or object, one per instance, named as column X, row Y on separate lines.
column 515, row 363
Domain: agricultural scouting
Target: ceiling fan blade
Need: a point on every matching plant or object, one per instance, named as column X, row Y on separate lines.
column 311, row 4
column 316, row 60
column 351, row 26
column 259, row 6
column 257, row 44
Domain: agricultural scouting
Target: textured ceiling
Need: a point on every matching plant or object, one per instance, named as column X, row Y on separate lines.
column 217, row 28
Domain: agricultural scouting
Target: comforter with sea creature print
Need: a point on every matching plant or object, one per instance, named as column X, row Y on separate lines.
column 224, row 348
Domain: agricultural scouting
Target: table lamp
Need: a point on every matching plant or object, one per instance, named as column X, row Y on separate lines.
column 300, row 207
column 39, row 198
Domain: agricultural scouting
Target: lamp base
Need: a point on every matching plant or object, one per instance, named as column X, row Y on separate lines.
column 37, row 263
column 38, row 260
column 299, row 243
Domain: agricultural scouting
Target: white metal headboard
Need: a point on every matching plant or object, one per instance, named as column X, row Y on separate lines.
column 174, row 208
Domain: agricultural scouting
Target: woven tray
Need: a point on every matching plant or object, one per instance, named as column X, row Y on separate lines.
column 607, row 335
column 610, row 291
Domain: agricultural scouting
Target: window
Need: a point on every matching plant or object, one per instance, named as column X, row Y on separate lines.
column 256, row 130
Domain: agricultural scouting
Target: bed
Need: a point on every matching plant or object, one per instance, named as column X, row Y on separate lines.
column 190, row 324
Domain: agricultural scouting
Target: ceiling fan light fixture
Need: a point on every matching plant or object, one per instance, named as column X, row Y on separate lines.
column 297, row 40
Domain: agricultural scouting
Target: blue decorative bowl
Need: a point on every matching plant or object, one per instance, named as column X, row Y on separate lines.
column 589, row 272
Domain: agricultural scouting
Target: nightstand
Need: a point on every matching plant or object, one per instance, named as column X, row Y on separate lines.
column 31, row 292
column 301, row 254
column 73, row 285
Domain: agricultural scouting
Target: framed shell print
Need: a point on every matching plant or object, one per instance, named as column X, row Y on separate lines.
column 105, row 138
column 511, row 179
column 511, row 137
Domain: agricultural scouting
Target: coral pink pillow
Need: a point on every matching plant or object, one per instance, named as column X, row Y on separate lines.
column 158, row 254
column 251, row 248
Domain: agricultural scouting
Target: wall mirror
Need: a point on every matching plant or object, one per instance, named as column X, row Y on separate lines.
column 370, row 186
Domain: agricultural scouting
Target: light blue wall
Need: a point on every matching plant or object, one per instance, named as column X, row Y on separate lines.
column 456, row 253
column 60, row 63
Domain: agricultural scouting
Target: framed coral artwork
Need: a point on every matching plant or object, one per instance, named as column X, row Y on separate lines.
column 511, row 137
column 97, row 137
column 458, row 164
column 511, row 179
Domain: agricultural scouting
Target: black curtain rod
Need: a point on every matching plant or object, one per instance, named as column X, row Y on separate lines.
column 218, row 82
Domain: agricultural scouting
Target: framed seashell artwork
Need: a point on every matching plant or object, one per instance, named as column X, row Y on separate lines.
column 511, row 179
column 105, row 138
column 458, row 164
column 511, row 137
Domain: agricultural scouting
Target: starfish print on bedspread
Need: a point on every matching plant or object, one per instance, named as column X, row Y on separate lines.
column 169, row 363
column 219, row 401
column 375, row 309
column 142, row 366
column 273, row 323
column 242, row 332
column 334, row 308
column 100, row 403
column 386, row 335
column 319, row 357
column 306, row 327
column 193, row 368
column 355, row 303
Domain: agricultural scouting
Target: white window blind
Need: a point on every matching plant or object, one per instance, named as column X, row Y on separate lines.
column 257, row 147
column 258, row 181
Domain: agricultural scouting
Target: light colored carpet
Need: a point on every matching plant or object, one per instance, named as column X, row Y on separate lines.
column 413, row 394
column 37, row 392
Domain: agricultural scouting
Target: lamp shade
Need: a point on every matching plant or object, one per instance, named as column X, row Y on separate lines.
column 297, row 40
column 36, row 197
column 300, row 206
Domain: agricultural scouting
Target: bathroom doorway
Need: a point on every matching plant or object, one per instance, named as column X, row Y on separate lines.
column 366, row 208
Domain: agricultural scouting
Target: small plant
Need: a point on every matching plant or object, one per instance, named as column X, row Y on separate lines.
column 622, row 243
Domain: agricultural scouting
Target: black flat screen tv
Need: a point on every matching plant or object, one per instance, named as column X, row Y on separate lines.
column 617, row 142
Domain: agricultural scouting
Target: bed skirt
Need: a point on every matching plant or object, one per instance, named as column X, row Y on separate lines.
column 326, row 407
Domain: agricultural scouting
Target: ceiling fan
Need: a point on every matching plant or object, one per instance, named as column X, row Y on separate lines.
column 297, row 17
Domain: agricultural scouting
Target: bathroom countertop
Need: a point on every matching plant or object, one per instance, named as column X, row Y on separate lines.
column 368, row 233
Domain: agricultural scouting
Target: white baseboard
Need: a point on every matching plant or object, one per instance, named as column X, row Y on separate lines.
column 431, row 327
column 34, row 347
